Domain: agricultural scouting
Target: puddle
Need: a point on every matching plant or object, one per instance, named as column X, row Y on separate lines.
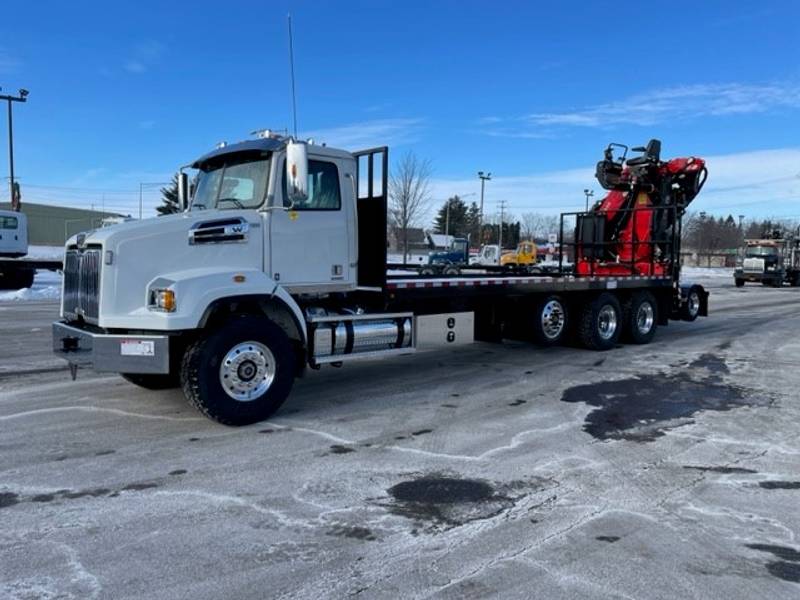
column 643, row 408
column 779, row 485
column 787, row 567
column 339, row 449
column 439, row 501
column 723, row 470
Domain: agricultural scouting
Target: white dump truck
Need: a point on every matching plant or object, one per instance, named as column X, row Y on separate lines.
column 278, row 264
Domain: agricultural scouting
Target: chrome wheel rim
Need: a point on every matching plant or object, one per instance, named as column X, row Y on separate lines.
column 553, row 319
column 247, row 371
column 645, row 317
column 693, row 303
column 607, row 322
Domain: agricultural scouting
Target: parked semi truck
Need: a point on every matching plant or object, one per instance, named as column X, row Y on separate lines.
column 278, row 265
column 16, row 271
column 770, row 261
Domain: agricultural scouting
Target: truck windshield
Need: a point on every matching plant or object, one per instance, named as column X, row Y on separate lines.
column 231, row 183
column 759, row 251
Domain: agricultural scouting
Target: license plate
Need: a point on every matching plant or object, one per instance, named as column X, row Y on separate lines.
column 137, row 348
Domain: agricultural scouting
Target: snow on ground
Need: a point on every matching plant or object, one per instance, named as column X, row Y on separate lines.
column 46, row 286
column 707, row 272
column 46, row 252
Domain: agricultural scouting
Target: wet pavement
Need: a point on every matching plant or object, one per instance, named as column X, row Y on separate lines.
column 664, row 471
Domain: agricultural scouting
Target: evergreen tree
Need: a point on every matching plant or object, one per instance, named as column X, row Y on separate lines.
column 456, row 223
column 169, row 199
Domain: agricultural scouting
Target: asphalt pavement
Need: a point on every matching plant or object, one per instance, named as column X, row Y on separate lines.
column 663, row 471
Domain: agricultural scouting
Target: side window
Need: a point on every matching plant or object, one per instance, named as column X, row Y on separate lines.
column 323, row 187
column 8, row 222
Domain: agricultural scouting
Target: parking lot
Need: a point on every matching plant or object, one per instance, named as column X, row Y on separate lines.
column 663, row 471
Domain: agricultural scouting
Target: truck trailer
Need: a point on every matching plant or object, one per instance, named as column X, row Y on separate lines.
column 277, row 265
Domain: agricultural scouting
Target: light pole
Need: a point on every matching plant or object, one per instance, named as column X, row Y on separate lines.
column 23, row 97
column 484, row 177
column 589, row 193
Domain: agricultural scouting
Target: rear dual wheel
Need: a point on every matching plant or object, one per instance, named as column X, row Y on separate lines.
column 640, row 318
column 600, row 322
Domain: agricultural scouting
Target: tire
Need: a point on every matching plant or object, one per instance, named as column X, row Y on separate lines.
column 427, row 271
column 150, row 381
column 690, row 309
column 600, row 322
column 452, row 270
column 740, row 283
column 795, row 282
column 549, row 321
column 640, row 318
column 254, row 389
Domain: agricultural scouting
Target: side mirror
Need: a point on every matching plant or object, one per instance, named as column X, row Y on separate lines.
column 183, row 190
column 297, row 171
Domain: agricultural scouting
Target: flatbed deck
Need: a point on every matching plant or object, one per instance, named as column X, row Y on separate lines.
column 520, row 283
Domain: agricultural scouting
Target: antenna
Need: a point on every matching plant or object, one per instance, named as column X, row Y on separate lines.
column 291, row 70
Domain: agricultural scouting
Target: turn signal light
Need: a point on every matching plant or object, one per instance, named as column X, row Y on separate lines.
column 163, row 300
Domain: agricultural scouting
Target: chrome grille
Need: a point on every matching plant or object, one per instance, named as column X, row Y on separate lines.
column 82, row 283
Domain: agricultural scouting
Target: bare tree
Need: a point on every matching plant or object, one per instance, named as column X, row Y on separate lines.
column 536, row 225
column 409, row 194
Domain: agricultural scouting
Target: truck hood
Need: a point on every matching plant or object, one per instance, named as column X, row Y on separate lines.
column 163, row 249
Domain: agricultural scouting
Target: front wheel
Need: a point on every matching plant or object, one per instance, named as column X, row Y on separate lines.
column 599, row 322
column 240, row 373
column 740, row 283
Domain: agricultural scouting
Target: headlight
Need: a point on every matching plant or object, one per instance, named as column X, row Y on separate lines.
column 162, row 299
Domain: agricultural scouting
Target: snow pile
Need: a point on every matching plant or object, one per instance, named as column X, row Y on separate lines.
column 706, row 272
column 46, row 252
column 46, row 286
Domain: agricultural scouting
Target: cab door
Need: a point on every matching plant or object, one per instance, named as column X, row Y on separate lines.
column 309, row 246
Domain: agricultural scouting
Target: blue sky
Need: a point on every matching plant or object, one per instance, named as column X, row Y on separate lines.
column 124, row 92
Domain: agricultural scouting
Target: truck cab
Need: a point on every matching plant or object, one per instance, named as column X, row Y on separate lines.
column 13, row 234
column 523, row 256
column 770, row 261
column 457, row 253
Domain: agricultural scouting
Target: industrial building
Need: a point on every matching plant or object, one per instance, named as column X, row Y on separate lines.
column 51, row 225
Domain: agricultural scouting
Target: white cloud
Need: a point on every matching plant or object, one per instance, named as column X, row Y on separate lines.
column 763, row 183
column 657, row 106
column 8, row 63
column 134, row 66
column 144, row 56
column 379, row 132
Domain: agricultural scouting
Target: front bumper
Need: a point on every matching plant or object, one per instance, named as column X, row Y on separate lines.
column 112, row 353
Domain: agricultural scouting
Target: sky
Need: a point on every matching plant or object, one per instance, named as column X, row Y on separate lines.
column 123, row 93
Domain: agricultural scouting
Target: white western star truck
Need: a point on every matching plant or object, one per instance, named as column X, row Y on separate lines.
column 278, row 263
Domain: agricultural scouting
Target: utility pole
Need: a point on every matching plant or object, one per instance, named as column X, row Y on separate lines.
column 502, row 216
column 484, row 177
column 589, row 193
column 148, row 184
column 23, row 97
column 447, row 220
